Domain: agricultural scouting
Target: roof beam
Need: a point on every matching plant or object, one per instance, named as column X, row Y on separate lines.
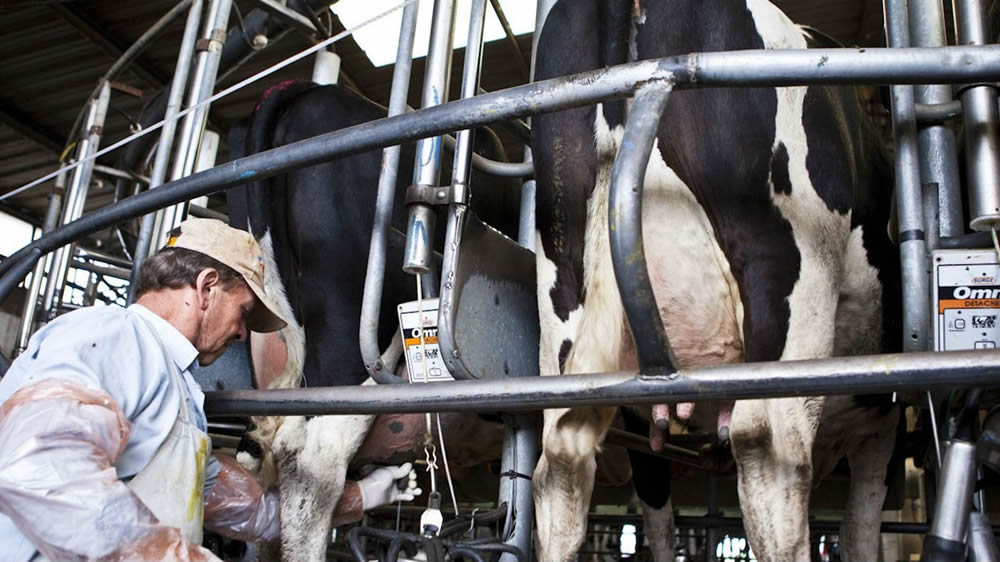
column 32, row 130
column 511, row 40
column 111, row 45
column 115, row 47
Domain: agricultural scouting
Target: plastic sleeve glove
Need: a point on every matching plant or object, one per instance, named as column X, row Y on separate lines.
column 58, row 445
column 238, row 507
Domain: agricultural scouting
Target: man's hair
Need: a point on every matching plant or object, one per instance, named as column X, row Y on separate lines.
column 176, row 268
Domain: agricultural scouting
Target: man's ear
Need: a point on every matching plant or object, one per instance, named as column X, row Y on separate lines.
column 207, row 280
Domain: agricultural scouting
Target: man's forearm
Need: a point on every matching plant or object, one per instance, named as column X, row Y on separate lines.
column 58, row 444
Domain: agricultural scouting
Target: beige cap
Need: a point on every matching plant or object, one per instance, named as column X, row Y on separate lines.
column 239, row 250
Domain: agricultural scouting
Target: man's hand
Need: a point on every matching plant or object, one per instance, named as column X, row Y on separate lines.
column 388, row 485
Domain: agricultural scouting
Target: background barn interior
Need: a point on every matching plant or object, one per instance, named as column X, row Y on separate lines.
column 53, row 51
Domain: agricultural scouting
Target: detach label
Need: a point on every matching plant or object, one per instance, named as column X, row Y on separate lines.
column 966, row 300
column 430, row 353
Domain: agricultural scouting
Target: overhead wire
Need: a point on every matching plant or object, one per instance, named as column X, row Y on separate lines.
column 239, row 85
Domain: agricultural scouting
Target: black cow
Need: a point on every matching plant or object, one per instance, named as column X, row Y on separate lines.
column 316, row 223
column 765, row 216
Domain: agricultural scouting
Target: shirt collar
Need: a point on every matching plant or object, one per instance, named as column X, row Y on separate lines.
column 180, row 349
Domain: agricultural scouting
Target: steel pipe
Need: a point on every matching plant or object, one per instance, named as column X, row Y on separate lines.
column 639, row 443
column 493, row 167
column 76, row 195
column 462, row 164
column 427, row 167
column 461, row 169
column 933, row 114
column 371, row 303
column 193, row 124
column 722, row 69
column 35, row 290
column 86, row 254
column 105, row 270
column 956, row 483
column 628, row 254
column 938, row 147
column 980, row 116
column 909, row 197
column 206, row 213
column 182, row 70
column 120, row 174
column 840, row 375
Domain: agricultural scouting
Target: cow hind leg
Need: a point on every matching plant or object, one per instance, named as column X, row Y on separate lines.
column 651, row 479
column 564, row 479
column 772, row 443
column 312, row 458
column 860, row 531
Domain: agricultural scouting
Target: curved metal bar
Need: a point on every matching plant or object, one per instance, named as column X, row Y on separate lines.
column 7, row 284
column 716, row 69
column 493, row 167
column 625, row 228
column 867, row 374
column 938, row 113
column 130, row 54
column 371, row 303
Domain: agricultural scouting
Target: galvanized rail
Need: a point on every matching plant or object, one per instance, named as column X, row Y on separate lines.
column 866, row 374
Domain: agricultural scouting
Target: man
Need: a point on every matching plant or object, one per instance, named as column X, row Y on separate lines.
column 103, row 445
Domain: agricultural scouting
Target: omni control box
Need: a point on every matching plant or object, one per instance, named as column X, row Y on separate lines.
column 423, row 358
column 966, row 299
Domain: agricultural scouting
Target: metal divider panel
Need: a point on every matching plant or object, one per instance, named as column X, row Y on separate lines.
column 489, row 315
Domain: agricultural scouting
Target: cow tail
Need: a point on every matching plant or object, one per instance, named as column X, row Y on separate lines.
column 263, row 214
column 264, row 428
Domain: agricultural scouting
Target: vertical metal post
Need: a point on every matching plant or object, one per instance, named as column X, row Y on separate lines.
column 371, row 303
column 520, row 453
column 521, row 431
column 912, row 243
column 76, row 195
column 938, row 148
column 427, row 168
column 193, row 124
column 174, row 100
column 980, row 115
column 470, row 85
column 27, row 326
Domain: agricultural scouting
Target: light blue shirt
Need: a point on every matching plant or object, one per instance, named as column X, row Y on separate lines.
column 131, row 354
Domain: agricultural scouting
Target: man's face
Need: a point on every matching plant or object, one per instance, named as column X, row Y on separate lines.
column 224, row 321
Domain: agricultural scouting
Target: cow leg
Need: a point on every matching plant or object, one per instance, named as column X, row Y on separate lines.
column 564, row 479
column 772, row 443
column 860, row 537
column 772, row 440
column 651, row 479
column 312, row 457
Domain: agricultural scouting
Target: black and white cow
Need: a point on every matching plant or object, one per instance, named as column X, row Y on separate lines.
column 765, row 218
column 317, row 223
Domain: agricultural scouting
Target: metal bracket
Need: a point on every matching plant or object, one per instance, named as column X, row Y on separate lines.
column 437, row 195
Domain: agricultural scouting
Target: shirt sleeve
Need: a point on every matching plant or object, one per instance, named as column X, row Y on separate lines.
column 58, row 445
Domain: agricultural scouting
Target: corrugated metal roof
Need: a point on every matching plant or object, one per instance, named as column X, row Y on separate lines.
column 52, row 52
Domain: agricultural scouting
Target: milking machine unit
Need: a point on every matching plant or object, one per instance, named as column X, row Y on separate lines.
column 964, row 269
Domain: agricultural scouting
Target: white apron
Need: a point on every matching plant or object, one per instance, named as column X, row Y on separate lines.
column 172, row 485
